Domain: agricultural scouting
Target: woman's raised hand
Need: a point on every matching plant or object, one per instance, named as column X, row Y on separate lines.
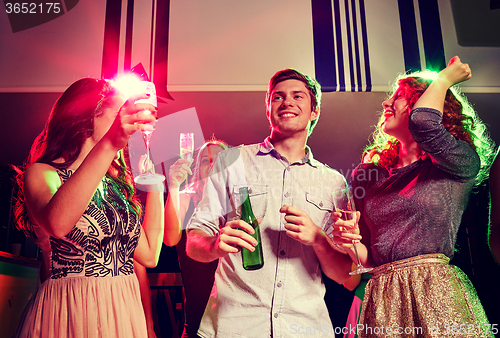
column 456, row 72
column 178, row 173
column 129, row 119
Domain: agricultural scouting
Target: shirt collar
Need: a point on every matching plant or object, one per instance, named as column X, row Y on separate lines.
column 267, row 147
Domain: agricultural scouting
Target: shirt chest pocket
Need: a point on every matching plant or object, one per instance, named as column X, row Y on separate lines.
column 258, row 194
column 319, row 208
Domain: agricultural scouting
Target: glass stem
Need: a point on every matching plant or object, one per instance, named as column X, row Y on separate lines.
column 356, row 252
column 147, row 137
column 148, row 161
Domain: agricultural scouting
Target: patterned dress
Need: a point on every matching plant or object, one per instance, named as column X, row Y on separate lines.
column 92, row 290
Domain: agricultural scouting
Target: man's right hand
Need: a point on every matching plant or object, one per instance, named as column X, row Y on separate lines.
column 234, row 236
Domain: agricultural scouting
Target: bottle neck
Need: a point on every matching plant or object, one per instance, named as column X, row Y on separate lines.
column 246, row 208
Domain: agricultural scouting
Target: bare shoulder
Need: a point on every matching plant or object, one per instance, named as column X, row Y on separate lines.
column 41, row 182
column 40, row 176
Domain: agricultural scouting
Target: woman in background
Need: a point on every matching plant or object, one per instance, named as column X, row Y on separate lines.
column 198, row 278
column 412, row 189
column 77, row 200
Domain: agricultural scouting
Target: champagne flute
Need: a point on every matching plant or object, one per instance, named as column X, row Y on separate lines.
column 149, row 177
column 344, row 203
column 186, row 146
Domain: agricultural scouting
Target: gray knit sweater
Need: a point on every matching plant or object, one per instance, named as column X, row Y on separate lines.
column 417, row 209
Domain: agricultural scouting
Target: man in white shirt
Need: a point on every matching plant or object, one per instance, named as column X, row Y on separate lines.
column 292, row 195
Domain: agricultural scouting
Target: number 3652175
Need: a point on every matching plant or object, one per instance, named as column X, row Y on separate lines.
column 33, row 8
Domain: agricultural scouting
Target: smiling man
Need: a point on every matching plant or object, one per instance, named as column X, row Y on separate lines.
column 291, row 193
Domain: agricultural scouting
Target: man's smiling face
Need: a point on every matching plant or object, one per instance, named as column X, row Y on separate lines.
column 289, row 109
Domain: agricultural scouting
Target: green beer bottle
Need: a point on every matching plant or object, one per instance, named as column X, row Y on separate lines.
column 251, row 260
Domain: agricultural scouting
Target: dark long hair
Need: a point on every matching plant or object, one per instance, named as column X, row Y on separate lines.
column 459, row 118
column 70, row 123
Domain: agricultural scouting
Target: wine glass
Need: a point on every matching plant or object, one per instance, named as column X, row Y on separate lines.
column 149, row 177
column 186, row 146
column 344, row 203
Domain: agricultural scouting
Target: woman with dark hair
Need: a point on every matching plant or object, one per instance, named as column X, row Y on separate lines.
column 77, row 201
column 412, row 188
column 197, row 277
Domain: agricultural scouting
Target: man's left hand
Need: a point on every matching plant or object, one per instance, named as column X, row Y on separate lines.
column 299, row 225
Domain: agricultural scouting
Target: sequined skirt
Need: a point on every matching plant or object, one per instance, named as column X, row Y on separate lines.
column 422, row 296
